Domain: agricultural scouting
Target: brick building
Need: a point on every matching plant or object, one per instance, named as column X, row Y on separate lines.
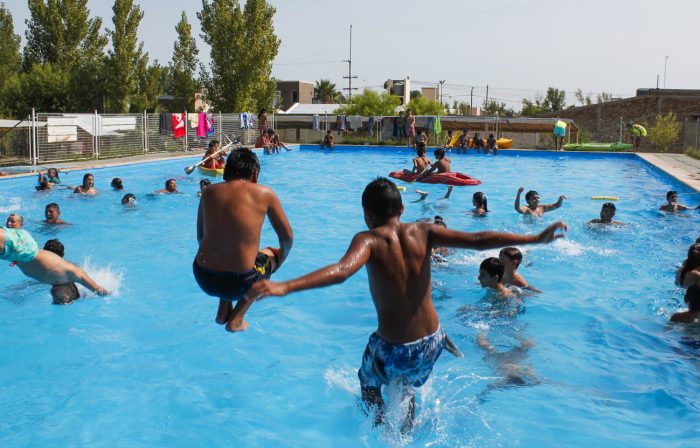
column 605, row 122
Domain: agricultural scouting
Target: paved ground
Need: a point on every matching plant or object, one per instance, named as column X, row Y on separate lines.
column 682, row 167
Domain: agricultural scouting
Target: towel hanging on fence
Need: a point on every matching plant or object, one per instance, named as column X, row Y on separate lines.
column 202, row 126
column 344, row 123
column 193, row 120
column 251, row 120
column 438, row 126
column 370, row 126
column 165, row 124
column 314, row 123
column 211, row 126
column 243, row 120
column 355, row 122
column 179, row 130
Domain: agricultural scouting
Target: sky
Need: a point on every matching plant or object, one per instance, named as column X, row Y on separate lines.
column 516, row 47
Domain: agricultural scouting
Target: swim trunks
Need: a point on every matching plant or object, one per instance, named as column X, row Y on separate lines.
column 233, row 285
column 20, row 247
column 410, row 363
column 559, row 132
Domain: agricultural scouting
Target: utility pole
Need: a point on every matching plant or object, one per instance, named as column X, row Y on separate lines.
column 487, row 95
column 665, row 61
column 441, row 83
column 471, row 101
column 350, row 76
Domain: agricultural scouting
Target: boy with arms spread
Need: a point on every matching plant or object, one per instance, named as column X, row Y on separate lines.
column 409, row 338
column 672, row 205
column 229, row 224
column 533, row 203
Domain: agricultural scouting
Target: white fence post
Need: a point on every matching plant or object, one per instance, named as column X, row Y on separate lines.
column 96, row 138
column 221, row 127
column 33, row 151
column 187, row 130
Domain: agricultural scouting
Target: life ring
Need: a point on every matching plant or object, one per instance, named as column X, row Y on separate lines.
column 604, row 198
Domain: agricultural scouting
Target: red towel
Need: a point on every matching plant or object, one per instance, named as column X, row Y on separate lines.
column 179, row 128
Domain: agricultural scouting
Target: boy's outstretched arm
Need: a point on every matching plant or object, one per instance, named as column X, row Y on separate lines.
column 442, row 237
column 356, row 256
column 556, row 205
column 517, row 199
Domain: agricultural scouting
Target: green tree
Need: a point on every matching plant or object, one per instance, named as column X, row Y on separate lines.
column 183, row 67
column 370, row 103
column 152, row 83
column 493, row 107
column 603, row 97
column 243, row 45
column 415, row 94
column 554, row 100
column 423, row 106
column 530, row 108
column 585, row 100
column 9, row 56
column 43, row 87
column 664, row 131
column 126, row 63
column 325, row 92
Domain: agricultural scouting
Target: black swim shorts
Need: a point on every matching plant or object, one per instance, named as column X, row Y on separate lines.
column 232, row 285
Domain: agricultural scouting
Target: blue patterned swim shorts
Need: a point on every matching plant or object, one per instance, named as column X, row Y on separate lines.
column 411, row 363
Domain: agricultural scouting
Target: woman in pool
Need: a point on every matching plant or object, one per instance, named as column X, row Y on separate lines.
column 480, row 202
column 88, row 186
column 689, row 272
column 692, row 298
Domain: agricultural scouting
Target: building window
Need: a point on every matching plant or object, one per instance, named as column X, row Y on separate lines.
column 295, row 96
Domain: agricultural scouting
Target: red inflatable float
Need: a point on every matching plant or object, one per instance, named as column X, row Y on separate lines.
column 457, row 179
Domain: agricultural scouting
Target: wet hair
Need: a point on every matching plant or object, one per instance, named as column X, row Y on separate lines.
column 45, row 185
column 439, row 153
column 609, row 205
column 270, row 131
column 53, row 205
column 213, row 143
column 48, row 172
column 481, row 199
column 421, row 150
column 117, row 184
column 241, row 164
column 513, row 254
column 382, row 198
column 438, row 220
column 490, row 135
column 692, row 297
column 206, row 182
column 85, row 177
column 692, row 262
column 530, row 194
column 55, row 246
column 493, row 266
column 128, row 198
column 671, row 192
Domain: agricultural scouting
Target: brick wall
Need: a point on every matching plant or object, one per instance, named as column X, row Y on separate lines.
column 601, row 122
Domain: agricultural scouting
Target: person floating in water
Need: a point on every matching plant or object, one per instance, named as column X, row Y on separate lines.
column 689, row 272
column 88, row 186
column 480, row 203
column 18, row 247
column 52, row 213
column 14, row 221
column 692, row 299
column 533, row 203
column 409, row 338
column 229, row 225
column 442, row 164
column 607, row 213
column 170, row 187
column 512, row 258
column 491, row 272
column 672, row 205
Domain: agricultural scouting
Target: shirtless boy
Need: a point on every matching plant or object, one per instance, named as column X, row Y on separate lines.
column 14, row 221
column 607, row 213
column 533, row 203
column 409, row 338
column 328, row 141
column 672, row 205
column 263, row 141
column 442, row 165
column 692, row 298
column 276, row 142
column 420, row 163
column 512, row 258
column 18, row 247
column 463, row 142
column 52, row 213
column 491, row 273
column 213, row 156
column 229, row 223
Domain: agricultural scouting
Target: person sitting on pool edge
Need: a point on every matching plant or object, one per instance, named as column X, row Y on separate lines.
column 607, row 213
column 328, row 141
column 442, row 164
column 409, row 338
column 672, row 205
column 512, row 258
column 463, row 142
column 692, row 298
column 263, row 141
column 275, row 141
column 491, row 146
column 533, row 203
column 14, row 221
column 18, row 247
column 52, row 213
column 170, row 187
column 229, row 225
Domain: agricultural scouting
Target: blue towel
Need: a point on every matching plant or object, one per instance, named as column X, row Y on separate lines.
column 344, row 123
column 370, row 126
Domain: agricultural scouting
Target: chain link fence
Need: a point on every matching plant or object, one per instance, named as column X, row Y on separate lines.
column 15, row 145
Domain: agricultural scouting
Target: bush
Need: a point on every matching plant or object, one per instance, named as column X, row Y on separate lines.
column 664, row 131
column 693, row 152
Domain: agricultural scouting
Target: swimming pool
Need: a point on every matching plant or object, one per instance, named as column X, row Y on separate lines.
column 149, row 367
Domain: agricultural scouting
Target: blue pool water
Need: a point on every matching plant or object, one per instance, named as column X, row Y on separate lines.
column 148, row 366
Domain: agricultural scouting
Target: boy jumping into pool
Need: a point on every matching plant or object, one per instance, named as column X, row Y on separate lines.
column 229, row 224
column 409, row 338
column 533, row 203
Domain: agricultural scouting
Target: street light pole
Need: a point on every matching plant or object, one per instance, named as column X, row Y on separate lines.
column 665, row 61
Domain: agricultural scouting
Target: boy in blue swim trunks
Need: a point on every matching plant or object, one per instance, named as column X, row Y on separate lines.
column 229, row 225
column 409, row 338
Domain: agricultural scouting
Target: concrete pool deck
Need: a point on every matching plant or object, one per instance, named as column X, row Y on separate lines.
column 683, row 168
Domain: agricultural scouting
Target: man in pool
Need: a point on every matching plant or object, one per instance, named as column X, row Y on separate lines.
column 409, row 338
column 692, row 299
column 607, row 213
column 229, row 225
column 672, row 205
column 533, row 203
column 18, row 247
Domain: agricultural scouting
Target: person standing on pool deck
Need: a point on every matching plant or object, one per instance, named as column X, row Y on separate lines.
column 262, row 121
column 411, row 128
column 229, row 224
column 533, row 203
column 409, row 338
column 559, row 134
column 638, row 131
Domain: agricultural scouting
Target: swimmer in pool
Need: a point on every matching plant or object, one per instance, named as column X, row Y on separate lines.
column 170, row 187
column 491, row 273
column 512, row 258
column 229, row 225
column 607, row 213
column 117, row 184
column 533, row 203
column 18, row 247
column 509, row 364
column 442, row 164
column 88, row 186
column 672, row 205
column 51, row 177
column 52, row 213
column 409, row 338
column 689, row 272
column 129, row 199
column 14, row 221
column 480, row 203
column 203, row 184
column 692, row 298
column 61, row 294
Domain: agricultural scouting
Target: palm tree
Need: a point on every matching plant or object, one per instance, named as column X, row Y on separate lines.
column 325, row 92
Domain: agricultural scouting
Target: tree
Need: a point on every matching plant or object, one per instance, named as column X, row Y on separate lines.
column 554, row 100
column 604, row 97
column 182, row 67
column 370, row 103
column 415, row 94
column 584, row 100
column 9, row 56
column 325, row 92
column 126, row 61
column 493, row 107
column 664, row 131
column 530, row 108
column 423, row 106
column 243, row 45
column 43, row 87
